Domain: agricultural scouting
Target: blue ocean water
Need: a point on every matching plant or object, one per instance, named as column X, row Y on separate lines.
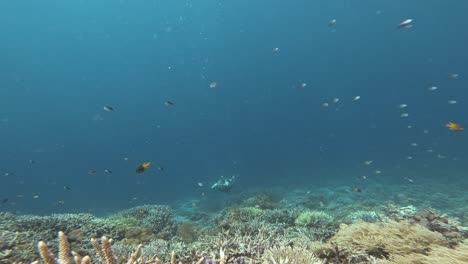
column 61, row 62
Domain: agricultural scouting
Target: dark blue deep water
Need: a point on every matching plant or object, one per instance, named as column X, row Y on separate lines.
column 61, row 62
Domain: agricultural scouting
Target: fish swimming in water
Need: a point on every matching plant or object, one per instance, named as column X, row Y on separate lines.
column 144, row 166
column 406, row 23
column 454, row 126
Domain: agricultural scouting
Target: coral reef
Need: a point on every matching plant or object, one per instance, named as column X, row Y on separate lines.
column 290, row 255
column 383, row 240
column 366, row 216
column 158, row 218
column 106, row 255
column 313, row 218
column 263, row 200
column 321, row 225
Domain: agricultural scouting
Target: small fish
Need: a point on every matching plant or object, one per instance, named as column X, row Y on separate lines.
column 332, row 23
column 19, row 196
column 409, row 179
column 91, row 172
column 378, row 172
column 67, row 188
column 9, row 174
column 363, row 177
column 276, row 50
column 61, row 202
column 109, row 108
column 454, row 76
column 4, row 201
column 169, row 103
column 200, row 184
column 408, row 23
column 404, row 115
column 303, row 85
column 213, row 85
column 357, row 97
column 368, row 162
column 160, row 168
column 454, row 126
column 336, row 100
column 108, row 171
column 401, row 106
column 409, row 157
column 144, row 166
column 31, row 162
column 433, row 88
column 357, row 189
column 36, row 197
column 414, row 144
column 452, row 102
column 325, row 104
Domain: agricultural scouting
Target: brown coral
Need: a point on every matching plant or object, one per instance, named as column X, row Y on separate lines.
column 386, row 239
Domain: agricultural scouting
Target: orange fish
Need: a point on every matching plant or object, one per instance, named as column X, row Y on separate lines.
column 143, row 167
column 455, row 126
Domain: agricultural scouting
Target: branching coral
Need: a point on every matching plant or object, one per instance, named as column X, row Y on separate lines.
column 246, row 239
column 290, row 255
column 104, row 251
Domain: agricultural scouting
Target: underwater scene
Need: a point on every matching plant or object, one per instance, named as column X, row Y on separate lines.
column 233, row 132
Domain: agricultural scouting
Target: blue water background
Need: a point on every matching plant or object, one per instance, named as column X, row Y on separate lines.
column 62, row 61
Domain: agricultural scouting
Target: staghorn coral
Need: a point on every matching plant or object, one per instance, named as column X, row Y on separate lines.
column 64, row 253
column 71, row 257
column 246, row 239
column 106, row 255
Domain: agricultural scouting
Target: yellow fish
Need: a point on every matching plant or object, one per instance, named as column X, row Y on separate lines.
column 455, row 127
column 143, row 167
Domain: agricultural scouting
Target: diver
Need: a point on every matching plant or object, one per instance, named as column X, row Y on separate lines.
column 224, row 184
